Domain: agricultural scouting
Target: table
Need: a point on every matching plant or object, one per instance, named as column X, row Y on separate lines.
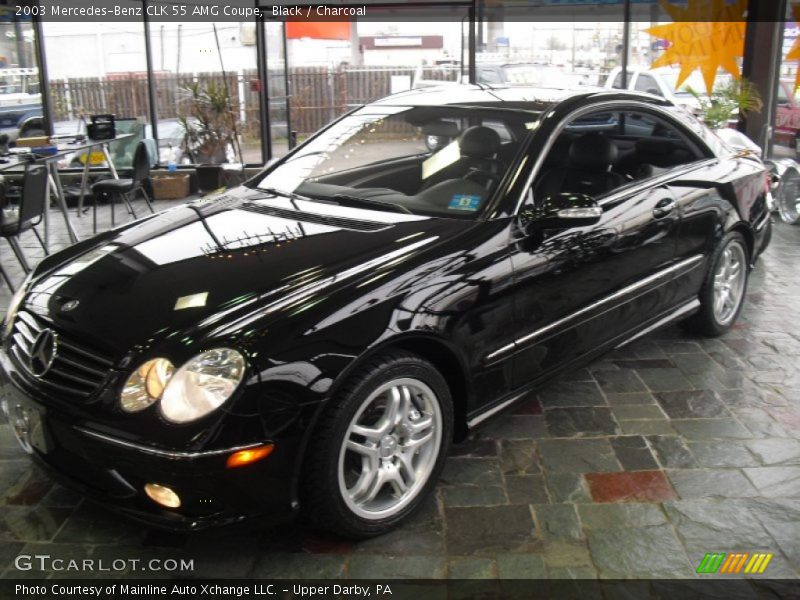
column 54, row 179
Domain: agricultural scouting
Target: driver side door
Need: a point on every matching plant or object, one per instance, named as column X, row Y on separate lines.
column 579, row 288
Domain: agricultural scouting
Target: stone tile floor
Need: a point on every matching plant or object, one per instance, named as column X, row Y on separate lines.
column 635, row 466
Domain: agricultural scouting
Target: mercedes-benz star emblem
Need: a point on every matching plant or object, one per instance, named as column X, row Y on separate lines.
column 43, row 352
column 69, row 305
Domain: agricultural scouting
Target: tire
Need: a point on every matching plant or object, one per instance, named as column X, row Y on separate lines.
column 715, row 317
column 350, row 484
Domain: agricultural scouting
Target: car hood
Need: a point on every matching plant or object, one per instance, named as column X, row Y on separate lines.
column 196, row 268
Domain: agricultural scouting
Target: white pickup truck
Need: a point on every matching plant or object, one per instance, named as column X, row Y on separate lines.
column 662, row 82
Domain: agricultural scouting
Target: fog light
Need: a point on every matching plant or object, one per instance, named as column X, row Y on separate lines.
column 162, row 495
column 251, row 455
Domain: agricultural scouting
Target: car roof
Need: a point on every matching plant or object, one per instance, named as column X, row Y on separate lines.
column 532, row 99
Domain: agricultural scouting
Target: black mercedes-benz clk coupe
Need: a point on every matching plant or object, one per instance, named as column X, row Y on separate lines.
column 317, row 338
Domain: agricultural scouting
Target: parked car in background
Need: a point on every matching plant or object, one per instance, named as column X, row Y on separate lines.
column 170, row 146
column 20, row 103
column 508, row 75
column 529, row 74
column 317, row 338
column 662, row 82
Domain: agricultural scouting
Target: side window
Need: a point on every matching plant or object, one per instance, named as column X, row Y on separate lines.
column 651, row 145
column 647, row 83
column 637, row 124
column 598, row 153
column 582, row 160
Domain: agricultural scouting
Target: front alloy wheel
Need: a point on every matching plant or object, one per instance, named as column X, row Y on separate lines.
column 390, row 448
column 379, row 446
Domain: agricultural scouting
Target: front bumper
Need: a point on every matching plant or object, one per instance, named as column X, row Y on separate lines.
column 114, row 472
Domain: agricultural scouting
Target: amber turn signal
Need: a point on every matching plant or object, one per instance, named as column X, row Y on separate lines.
column 251, row 455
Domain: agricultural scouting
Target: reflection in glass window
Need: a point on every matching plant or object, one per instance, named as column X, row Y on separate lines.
column 98, row 68
column 192, row 77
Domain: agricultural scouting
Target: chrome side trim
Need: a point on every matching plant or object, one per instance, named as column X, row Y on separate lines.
column 171, row 454
column 493, row 411
column 676, row 314
column 687, row 264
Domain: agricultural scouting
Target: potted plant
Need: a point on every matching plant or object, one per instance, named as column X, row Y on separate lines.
column 725, row 103
column 209, row 123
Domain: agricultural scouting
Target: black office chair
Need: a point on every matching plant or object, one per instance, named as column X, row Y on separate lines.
column 32, row 204
column 126, row 189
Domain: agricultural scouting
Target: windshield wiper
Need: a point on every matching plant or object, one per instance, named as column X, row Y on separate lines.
column 290, row 195
column 371, row 203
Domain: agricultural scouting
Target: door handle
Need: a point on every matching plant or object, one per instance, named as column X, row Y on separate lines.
column 664, row 207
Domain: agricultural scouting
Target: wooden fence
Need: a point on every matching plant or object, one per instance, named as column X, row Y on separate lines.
column 317, row 94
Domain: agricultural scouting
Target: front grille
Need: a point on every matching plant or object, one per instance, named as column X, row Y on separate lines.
column 76, row 371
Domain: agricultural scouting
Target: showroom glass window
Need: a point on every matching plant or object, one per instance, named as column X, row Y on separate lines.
column 787, row 99
column 98, row 68
column 217, row 58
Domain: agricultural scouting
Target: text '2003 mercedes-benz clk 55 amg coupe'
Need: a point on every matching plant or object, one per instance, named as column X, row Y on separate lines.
column 317, row 338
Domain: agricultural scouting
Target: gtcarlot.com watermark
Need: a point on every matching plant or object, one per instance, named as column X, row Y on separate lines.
column 45, row 562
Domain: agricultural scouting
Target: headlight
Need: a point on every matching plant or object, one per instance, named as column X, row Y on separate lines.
column 202, row 385
column 146, row 384
column 13, row 307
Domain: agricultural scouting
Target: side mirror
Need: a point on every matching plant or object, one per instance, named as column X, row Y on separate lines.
column 654, row 91
column 563, row 211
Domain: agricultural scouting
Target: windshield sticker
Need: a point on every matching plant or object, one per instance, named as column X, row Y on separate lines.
column 465, row 202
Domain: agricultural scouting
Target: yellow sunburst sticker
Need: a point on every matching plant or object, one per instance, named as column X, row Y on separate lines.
column 706, row 35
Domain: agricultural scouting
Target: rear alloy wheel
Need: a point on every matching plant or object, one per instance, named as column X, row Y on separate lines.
column 729, row 283
column 724, row 289
column 379, row 447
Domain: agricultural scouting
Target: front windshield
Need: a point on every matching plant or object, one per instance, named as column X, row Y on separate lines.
column 426, row 160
